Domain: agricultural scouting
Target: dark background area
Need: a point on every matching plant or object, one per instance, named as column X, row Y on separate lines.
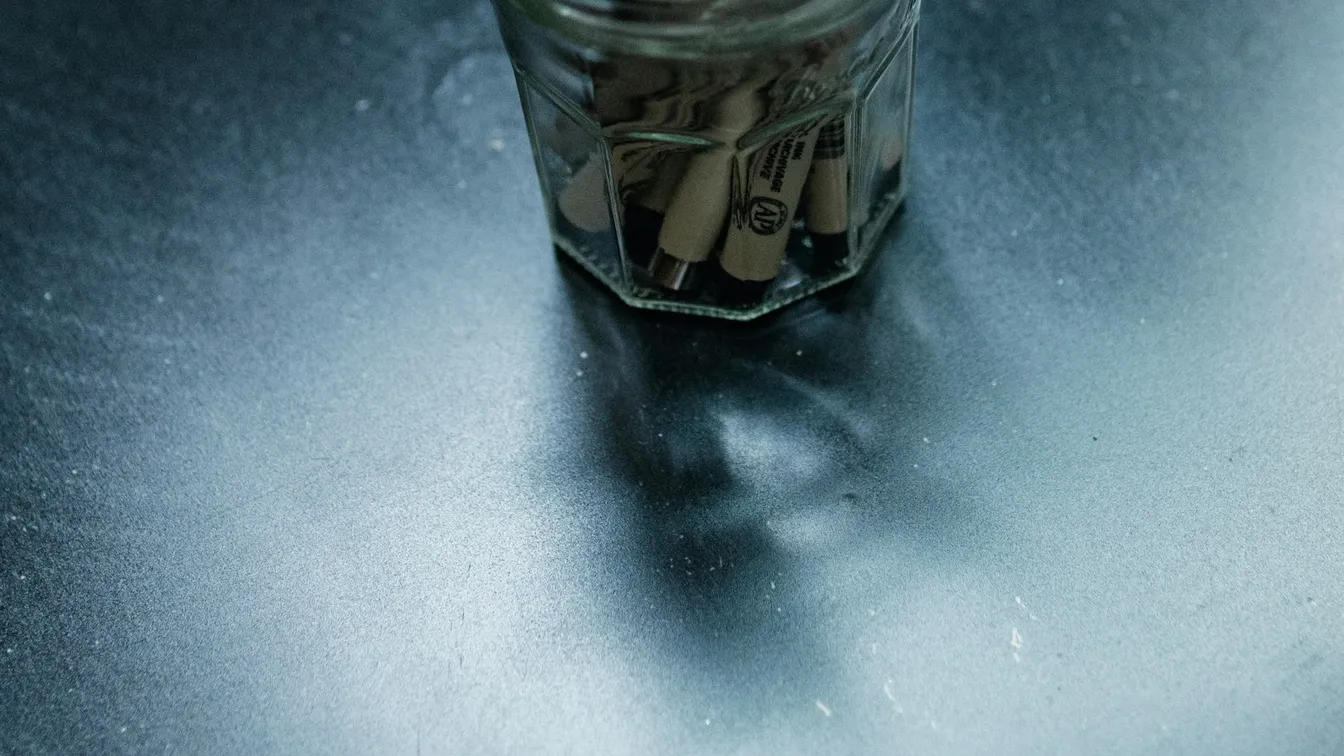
column 308, row 444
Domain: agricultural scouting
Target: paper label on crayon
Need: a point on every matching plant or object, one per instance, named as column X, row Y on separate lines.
column 827, row 189
column 763, row 207
column 698, row 206
column 830, row 142
column 583, row 201
column 767, row 215
column 637, row 165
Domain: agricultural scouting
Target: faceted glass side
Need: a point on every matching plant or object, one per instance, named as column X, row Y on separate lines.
column 884, row 115
column 572, row 165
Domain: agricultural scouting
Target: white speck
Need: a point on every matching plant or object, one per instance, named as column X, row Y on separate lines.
column 1143, row 321
column 993, row 383
column 799, row 353
column 1163, row 726
column 823, row 708
column 23, row 577
column 362, row 105
column 123, row 729
column 1016, row 640
column 1013, row 233
column 9, row 650
column 926, row 439
column 578, row 373
column 660, row 436
column 46, row 295
column 933, row 724
column 159, row 299
column 583, row 355
column 496, row 144
column 466, row 99
column 462, row 184
column 1059, row 282
column 872, row 611
column 779, row 609
column 772, row 585
column 916, row 465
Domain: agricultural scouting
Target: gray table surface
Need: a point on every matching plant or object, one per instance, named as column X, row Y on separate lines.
column 309, row 445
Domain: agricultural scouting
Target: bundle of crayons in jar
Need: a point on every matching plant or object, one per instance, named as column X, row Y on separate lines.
column 729, row 182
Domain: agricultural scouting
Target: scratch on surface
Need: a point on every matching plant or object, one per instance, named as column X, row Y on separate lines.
column 1016, row 642
column 823, row 708
column 1024, row 608
column 891, row 696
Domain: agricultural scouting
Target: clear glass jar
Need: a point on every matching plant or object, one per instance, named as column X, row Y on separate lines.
column 716, row 157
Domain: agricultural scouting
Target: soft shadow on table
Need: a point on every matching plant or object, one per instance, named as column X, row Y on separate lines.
column 767, row 475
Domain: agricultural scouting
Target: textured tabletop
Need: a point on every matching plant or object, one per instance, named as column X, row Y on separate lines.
column 309, row 445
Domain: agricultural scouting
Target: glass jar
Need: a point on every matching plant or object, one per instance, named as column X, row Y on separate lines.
column 716, row 157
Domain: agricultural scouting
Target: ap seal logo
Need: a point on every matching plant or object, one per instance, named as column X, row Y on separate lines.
column 766, row 215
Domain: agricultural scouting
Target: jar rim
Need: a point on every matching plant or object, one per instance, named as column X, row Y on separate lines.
column 680, row 28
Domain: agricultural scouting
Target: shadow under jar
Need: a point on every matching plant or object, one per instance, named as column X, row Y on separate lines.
column 718, row 158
